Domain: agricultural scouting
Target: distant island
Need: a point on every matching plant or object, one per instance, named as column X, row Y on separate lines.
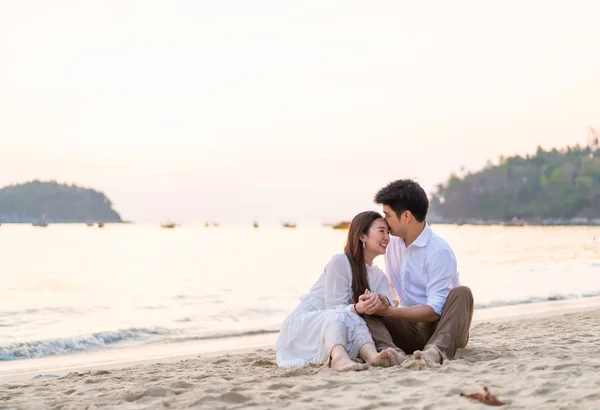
column 549, row 188
column 32, row 201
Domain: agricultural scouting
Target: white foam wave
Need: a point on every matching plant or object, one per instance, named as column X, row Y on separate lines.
column 42, row 348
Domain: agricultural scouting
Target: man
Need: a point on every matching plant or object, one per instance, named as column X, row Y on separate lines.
column 435, row 312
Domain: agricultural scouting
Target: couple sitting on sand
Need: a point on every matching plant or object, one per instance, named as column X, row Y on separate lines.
column 349, row 312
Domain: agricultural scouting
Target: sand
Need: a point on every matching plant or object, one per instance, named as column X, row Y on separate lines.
column 548, row 363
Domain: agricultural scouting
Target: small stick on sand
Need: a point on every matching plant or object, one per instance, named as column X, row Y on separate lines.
column 486, row 398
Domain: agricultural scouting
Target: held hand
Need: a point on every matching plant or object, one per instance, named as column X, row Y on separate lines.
column 383, row 299
column 385, row 304
column 362, row 303
column 369, row 303
column 368, row 295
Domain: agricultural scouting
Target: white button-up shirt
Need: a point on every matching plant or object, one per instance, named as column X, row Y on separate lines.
column 423, row 273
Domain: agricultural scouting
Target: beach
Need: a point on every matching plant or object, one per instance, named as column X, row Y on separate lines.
column 548, row 362
column 94, row 321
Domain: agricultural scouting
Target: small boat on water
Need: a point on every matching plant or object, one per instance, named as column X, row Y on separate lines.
column 255, row 224
column 169, row 224
column 42, row 223
column 100, row 224
column 288, row 225
column 89, row 223
column 341, row 225
column 515, row 222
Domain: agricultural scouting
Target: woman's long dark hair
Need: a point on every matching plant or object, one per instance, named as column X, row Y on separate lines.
column 355, row 251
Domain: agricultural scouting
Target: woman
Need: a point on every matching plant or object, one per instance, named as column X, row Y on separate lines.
column 327, row 325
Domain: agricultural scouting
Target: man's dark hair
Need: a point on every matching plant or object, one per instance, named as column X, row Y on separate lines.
column 404, row 195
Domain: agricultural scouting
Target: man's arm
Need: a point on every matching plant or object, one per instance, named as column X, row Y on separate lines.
column 423, row 313
column 441, row 266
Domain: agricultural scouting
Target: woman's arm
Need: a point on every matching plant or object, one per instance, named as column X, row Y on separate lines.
column 338, row 285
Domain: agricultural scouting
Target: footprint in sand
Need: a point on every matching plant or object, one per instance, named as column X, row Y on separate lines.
column 450, row 369
column 234, row 398
column 158, row 392
column 202, row 400
column 182, row 385
column 263, row 363
column 564, row 366
column 213, row 390
column 136, row 394
column 133, row 395
column 279, row 386
column 229, row 398
column 412, row 382
column 201, row 376
column 325, row 386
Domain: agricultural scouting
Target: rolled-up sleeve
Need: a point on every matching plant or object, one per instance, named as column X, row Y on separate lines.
column 441, row 268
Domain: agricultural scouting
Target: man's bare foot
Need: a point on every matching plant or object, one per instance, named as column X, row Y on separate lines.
column 345, row 364
column 397, row 358
column 383, row 359
column 430, row 355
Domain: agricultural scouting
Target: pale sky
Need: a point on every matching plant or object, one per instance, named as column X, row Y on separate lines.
column 270, row 110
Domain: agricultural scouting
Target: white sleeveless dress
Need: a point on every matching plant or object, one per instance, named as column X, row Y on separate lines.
column 324, row 317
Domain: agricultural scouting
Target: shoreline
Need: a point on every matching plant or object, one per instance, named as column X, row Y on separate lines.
column 549, row 361
column 120, row 358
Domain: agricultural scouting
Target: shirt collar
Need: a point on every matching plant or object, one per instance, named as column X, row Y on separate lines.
column 423, row 237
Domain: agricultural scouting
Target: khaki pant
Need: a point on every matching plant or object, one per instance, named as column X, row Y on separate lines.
column 447, row 334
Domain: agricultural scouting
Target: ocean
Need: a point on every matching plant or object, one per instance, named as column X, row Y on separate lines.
column 71, row 289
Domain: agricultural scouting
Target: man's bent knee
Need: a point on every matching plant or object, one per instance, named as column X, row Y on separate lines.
column 462, row 292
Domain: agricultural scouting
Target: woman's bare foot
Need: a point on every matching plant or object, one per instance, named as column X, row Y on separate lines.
column 430, row 355
column 383, row 359
column 397, row 358
column 345, row 364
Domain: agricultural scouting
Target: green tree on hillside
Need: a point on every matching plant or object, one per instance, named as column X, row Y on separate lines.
column 58, row 202
column 550, row 184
